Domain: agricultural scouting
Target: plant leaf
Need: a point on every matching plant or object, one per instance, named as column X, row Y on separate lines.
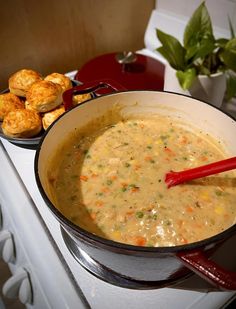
column 172, row 50
column 198, row 28
column 221, row 42
column 203, row 70
column 231, row 87
column 200, row 50
column 186, row 78
column 228, row 55
column 231, row 28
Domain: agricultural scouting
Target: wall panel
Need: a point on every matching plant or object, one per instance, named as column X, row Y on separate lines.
column 52, row 35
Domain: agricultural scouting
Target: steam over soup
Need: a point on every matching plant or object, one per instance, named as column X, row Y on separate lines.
column 109, row 180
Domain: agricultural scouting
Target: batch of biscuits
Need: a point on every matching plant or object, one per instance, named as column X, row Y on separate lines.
column 33, row 102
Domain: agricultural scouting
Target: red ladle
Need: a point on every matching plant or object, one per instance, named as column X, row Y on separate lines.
column 174, row 178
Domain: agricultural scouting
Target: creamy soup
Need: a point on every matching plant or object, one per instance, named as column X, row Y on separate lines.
column 111, row 181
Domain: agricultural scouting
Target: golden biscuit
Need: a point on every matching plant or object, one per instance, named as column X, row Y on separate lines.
column 79, row 98
column 22, row 123
column 20, row 82
column 44, row 96
column 28, row 106
column 49, row 117
column 60, row 79
column 9, row 102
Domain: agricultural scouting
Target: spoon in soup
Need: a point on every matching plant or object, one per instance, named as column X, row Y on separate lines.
column 174, row 178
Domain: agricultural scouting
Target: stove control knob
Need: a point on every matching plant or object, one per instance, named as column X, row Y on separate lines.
column 7, row 247
column 25, row 292
column 19, row 286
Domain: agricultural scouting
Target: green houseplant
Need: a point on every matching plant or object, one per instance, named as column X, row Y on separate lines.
column 201, row 53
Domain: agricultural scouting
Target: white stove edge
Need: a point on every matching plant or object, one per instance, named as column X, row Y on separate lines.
column 98, row 293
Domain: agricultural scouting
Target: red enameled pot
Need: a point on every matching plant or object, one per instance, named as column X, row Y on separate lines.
column 153, row 266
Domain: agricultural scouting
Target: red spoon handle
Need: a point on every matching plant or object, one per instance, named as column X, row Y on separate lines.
column 175, row 178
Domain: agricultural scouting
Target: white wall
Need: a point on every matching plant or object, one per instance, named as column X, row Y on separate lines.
column 219, row 9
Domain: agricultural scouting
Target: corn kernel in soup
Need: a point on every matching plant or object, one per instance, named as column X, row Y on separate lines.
column 110, row 181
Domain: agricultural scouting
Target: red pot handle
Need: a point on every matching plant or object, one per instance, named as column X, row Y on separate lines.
column 96, row 87
column 199, row 263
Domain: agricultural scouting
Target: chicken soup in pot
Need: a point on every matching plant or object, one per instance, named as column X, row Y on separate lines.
column 109, row 179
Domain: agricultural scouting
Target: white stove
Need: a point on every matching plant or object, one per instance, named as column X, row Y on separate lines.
column 44, row 272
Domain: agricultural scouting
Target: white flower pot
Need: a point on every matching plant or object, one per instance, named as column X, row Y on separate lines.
column 209, row 89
